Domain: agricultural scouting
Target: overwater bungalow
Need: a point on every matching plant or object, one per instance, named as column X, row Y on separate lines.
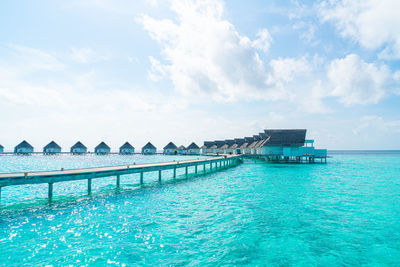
column 126, row 149
column 23, row 148
column 220, row 145
column 102, row 149
column 1, row 149
column 193, row 149
column 244, row 148
column 182, row 150
column 252, row 146
column 274, row 145
column 203, row 149
column 78, row 148
column 149, row 149
column 51, row 148
column 207, row 147
column 290, row 145
column 236, row 146
column 227, row 147
column 170, row 149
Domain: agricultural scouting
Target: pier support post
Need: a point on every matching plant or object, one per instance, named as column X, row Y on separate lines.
column 195, row 169
column 118, row 181
column 174, row 172
column 141, row 177
column 159, row 176
column 50, row 193
column 204, row 168
column 186, row 171
column 89, row 186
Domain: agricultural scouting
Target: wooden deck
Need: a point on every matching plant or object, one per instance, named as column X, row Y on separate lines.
column 50, row 177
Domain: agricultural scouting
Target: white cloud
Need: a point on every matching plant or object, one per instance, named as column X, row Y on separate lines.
column 83, row 55
column 374, row 24
column 376, row 124
column 358, row 82
column 205, row 53
column 264, row 40
column 35, row 58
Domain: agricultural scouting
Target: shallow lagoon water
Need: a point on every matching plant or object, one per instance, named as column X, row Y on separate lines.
column 345, row 212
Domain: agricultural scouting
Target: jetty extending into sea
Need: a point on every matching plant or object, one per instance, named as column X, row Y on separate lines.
column 51, row 177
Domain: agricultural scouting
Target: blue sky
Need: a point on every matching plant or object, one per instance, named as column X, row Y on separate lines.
column 199, row 70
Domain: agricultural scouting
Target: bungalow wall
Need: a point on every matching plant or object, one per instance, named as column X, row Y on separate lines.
column 126, row 150
column 193, row 151
column 170, row 151
column 148, row 151
column 102, row 151
column 23, row 150
column 78, row 150
column 52, row 150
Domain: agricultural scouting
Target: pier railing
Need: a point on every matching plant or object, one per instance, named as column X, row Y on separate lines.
column 51, row 177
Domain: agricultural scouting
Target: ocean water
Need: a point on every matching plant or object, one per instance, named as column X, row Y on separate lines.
column 345, row 212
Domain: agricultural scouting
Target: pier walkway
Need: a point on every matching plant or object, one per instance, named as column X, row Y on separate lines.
column 51, row 177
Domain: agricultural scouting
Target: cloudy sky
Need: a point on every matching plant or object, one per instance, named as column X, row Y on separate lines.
column 188, row 70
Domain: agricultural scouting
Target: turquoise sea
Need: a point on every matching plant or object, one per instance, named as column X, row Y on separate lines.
column 345, row 212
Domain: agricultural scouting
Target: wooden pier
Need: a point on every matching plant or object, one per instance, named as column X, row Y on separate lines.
column 51, row 177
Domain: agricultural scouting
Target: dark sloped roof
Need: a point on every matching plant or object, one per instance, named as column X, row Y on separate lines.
column 149, row 146
column 102, row 145
column 244, row 145
column 24, row 144
column 78, row 145
column 1, row 146
column 208, row 144
column 261, row 143
column 249, row 139
column 263, row 135
column 224, row 146
column 280, row 137
column 193, row 146
column 203, row 147
column 233, row 146
column 182, row 148
column 239, row 141
column 256, row 137
column 170, row 146
column 127, row 146
column 252, row 144
column 229, row 142
column 52, row 144
column 219, row 144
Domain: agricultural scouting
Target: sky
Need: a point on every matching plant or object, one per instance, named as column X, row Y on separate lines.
column 183, row 71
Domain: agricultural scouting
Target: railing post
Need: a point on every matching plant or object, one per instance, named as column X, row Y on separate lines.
column 141, row 177
column 50, row 193
column 195, row 168
column 0, row 193
column 174, row 172
column 204, row 168
column 186, row 171
column 159, row 176
column 118, row 181
column 89, row 186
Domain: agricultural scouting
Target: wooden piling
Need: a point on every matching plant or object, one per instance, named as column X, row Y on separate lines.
column 186, row 171
column 141, row 177
column 89, row 186
column 174, row 172
column 118, row 181
column 195, row 169
column 50, row 193
column 159, row 176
